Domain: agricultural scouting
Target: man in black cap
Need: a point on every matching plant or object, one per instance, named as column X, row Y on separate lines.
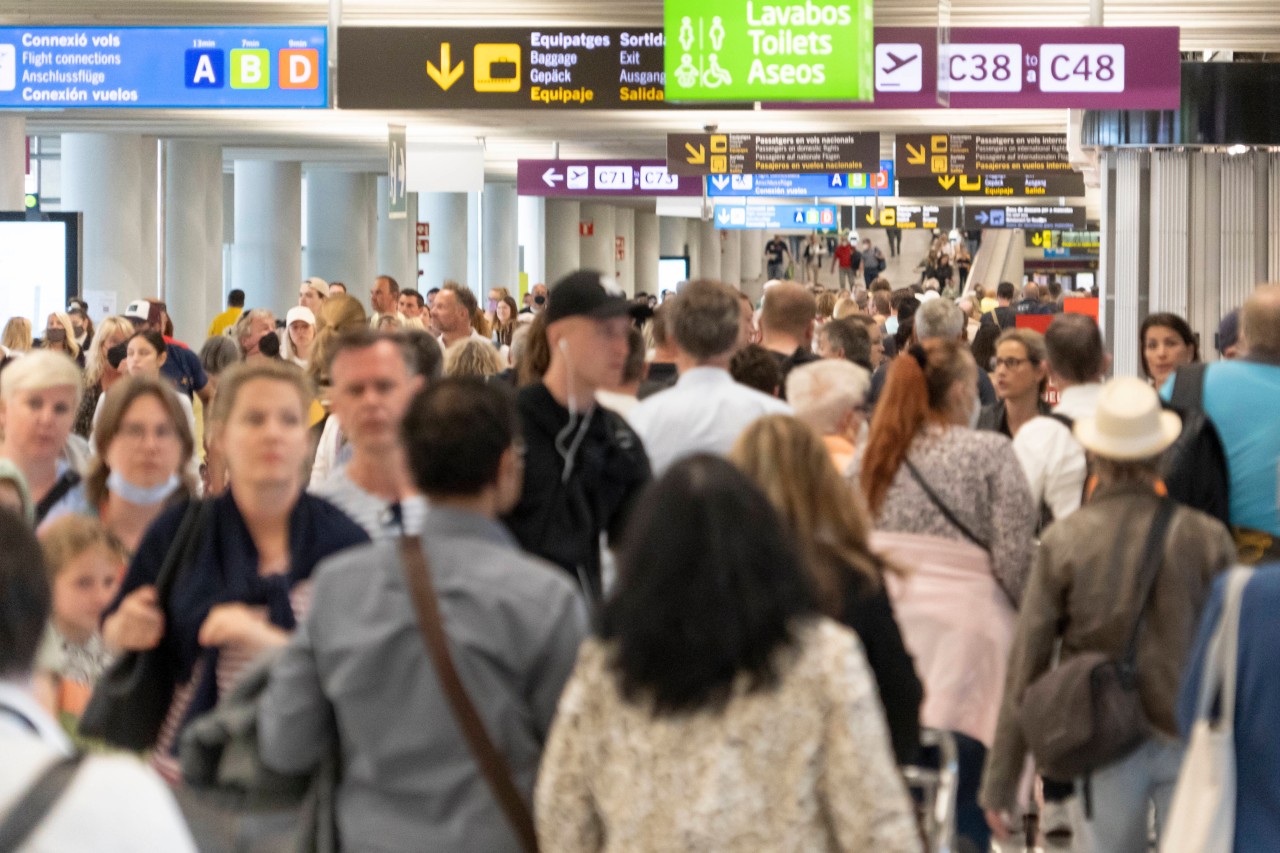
column 584, row 466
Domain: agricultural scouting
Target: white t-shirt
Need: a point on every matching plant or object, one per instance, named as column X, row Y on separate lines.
column 114, row 802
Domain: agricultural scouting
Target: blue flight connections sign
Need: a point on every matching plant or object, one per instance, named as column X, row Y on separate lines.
column 163, row 67
column 813, row 217
column 857, row 184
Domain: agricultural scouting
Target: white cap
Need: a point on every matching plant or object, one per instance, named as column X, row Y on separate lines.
column 317, row 284
column 299, row 312
column 138, row 309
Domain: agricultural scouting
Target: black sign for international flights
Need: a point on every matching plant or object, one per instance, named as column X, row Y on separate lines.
column 921, row 155
column 501, row 68
column 994, row 185
column 772, row 153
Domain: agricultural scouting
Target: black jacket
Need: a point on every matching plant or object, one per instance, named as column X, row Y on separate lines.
column 868, row 612
column 559, row 518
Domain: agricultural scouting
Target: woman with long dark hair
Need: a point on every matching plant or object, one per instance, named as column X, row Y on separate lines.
column 717, row 710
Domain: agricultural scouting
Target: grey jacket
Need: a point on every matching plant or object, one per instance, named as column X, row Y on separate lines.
column 1083, row 588
column 409, row 782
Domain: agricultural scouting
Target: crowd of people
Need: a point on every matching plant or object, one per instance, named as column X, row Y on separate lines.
column 596, row 573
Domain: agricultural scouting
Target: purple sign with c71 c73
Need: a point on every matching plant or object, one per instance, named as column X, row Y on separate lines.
column 1096, row 68
column 644, row 178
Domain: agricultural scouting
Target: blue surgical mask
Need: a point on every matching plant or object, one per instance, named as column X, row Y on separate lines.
column 141, row 495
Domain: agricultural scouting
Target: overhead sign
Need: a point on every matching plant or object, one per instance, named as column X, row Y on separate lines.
column 922, row 216
column 816, row 217
column 634, row 178
column 994, row 185
column 1035, row 218
column 856, row 184
column 501, row 68
column 1068, row 242
column 754, row 154
column 170, row 67
column 397, row 173
column 1098, row 68
column 740, row 50
column 926, row 154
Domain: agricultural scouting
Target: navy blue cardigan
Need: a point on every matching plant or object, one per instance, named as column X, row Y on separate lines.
column 226, row 570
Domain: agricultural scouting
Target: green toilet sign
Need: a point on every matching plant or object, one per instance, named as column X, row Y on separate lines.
column 748, row 50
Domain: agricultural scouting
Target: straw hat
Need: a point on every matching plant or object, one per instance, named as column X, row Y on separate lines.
column 1129, row 423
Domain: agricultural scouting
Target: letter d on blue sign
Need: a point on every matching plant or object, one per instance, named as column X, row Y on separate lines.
column 205, row 67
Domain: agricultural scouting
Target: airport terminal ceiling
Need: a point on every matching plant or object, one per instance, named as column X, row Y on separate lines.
column 358, row 139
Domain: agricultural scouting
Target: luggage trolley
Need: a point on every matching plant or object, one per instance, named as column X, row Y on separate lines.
column 935, row 789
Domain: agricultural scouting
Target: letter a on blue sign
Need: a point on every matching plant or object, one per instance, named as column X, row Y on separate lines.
column 204, row 68
column 799, row 217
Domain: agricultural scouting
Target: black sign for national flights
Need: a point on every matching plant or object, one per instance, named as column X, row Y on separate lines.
column 772, row 153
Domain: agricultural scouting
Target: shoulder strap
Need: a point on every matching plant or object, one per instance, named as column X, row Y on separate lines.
column 181, row 551
column 65, row 483
column 30, row 810
column 1188, row 387
column 1152, row 560
column 493, row 766
column 945, row 510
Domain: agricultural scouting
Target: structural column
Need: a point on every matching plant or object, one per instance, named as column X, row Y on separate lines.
column 13, row 162
column 731, row 258
column 266, row 259
column 751, row 253
column 193, row 206
column 446, row 218
column 396, row 242
column 563, row 246
column 106, row 177
column 499, row 238
column 597, row 246
column 646, row 253
column 709, row 251
column 532, row 238
column 624, row 252
column 340, row 216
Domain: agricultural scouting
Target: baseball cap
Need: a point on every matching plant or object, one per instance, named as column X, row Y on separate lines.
column 585, row 293
column 140, row 310
column 317, row 284
column 299, row 312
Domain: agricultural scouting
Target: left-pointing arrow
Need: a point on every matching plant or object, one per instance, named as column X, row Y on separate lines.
column 551, row 176
column 444, row 75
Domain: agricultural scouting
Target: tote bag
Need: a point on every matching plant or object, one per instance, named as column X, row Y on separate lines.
column 1203, row 816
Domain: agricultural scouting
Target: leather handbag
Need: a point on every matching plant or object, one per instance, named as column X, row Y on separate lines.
column 493, row 765
column 130, row 701
column 1202, row 818
column 1086, row 713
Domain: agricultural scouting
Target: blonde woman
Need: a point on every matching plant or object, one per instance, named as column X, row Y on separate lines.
column 471, row 357
column 38, row 402
column 790, row 464
column 99, row 373
column 17, row 336
column 60, row 336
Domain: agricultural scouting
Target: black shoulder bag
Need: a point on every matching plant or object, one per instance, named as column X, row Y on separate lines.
column 1086, row 712
column 130, row 701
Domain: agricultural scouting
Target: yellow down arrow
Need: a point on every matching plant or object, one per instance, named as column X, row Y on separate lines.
column 697, row 156
column 948, row 182
column 871, row 216
column 444, row 75
column 915, row 154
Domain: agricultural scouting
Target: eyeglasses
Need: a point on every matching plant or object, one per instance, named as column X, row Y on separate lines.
column 1011, row 363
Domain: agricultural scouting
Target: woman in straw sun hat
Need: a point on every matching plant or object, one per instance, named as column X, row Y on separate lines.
column 1085, row 591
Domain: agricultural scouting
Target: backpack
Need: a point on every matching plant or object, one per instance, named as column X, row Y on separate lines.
column 1194, row 467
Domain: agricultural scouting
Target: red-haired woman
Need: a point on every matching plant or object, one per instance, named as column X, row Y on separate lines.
column 953, row 504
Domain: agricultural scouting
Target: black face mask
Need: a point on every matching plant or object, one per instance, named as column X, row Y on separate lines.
column 116, row 355
column 55, row 336
column 539, row 300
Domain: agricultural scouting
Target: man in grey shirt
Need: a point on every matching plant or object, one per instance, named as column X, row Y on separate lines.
column 409, row 781
column 374, row 378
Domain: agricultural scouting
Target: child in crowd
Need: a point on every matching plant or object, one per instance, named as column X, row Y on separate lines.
column 85, row 565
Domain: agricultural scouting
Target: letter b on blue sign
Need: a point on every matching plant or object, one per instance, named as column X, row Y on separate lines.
column 205, row 68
